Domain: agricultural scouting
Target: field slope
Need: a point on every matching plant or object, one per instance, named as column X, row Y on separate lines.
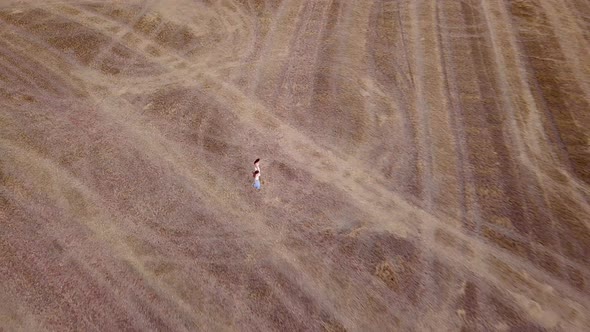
column 425, row 165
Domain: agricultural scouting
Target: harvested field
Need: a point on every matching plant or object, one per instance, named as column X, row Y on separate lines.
column 425, row 165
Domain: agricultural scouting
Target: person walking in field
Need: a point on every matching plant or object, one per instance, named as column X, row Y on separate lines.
column 257, row 165
column 256, row 174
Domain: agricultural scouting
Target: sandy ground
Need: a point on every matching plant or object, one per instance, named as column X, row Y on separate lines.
column 425, row 165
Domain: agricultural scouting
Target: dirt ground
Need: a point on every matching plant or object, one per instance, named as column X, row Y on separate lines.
column 425, row 165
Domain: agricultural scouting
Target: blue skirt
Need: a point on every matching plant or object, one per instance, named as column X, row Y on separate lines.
column 256, row 184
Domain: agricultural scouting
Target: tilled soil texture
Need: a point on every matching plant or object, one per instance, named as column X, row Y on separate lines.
column 425, row 165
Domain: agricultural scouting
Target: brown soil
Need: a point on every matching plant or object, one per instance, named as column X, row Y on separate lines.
column 425, row 165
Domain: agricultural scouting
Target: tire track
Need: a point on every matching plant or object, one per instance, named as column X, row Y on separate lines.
column 30, row 75
column 434, row 134
column 538, row 210
column 273, row 53
column 539, row 149
column 240, row 212
column 491, row 160
column 385, row 73
column 145, row 7
column 130, row 84
column 423, row 114
column 58, row 63
column 303, row 48
column 563, row 20
column 307, row 159
column 109, row 27
column 321, row 110
column 560, row 106
column 256, row 34
column 138, row 43
column 316, row 92
column 560, row 101
column 581, row 10
column 464, row 174
column 484, row 57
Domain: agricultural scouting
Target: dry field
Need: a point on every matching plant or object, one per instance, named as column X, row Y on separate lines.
column 425, row 165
